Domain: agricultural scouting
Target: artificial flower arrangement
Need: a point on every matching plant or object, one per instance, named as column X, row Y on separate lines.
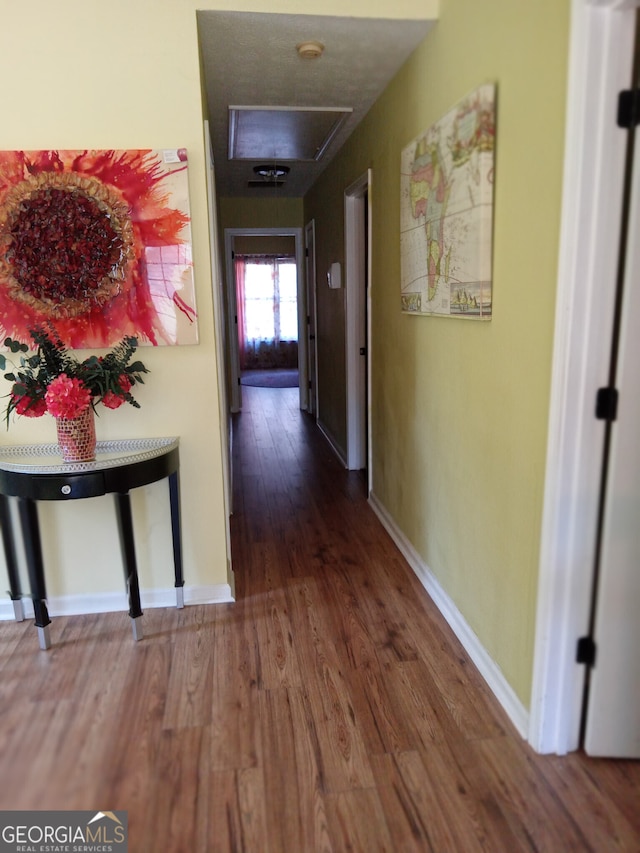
column 53, row 381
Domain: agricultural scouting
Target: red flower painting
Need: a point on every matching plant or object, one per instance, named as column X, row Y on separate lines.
column 98, row 245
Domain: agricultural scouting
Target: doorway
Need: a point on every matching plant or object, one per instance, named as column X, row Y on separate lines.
column 611, row 712
column 357, row 217
column 312, row 326
column 230, row 236
column 267, row 310
column 602, row 48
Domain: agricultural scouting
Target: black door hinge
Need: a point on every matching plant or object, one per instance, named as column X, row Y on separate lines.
column 607, row 404
column 310, row 385
column 586, row 651
column 629, row 108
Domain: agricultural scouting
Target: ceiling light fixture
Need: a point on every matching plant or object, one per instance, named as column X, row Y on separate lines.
column 271, row 171
column 310, row 49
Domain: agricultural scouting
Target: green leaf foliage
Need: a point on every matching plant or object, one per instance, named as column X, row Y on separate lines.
column 108, row 376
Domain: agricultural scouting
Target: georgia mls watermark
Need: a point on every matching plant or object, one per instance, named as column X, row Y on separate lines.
column 63, row 832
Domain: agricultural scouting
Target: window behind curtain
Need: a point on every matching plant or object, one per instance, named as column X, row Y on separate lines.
column 266, row 287
column 270, row 300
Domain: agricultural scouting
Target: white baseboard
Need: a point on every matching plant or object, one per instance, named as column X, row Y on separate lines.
column 485, row 664
column 109, row 602
column 216, row 594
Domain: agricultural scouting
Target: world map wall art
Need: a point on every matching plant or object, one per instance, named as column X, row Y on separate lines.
column 446, row 213
column 97, row 245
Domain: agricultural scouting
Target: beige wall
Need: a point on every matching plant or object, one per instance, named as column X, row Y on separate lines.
column 460, row 408
column 125, row 76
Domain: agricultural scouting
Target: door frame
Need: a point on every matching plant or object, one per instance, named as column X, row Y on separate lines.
column 234, row 356
column 358, row 322
column 311, row 318
column 217, row 285
column 601, row 53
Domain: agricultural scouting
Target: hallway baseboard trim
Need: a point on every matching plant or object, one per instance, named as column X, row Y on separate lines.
column 485, row 664
column 332, row 444
column 110, row 602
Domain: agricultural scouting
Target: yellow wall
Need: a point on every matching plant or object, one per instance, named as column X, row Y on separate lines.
column 260, row 213
column 127, row 75
column 271, row 245
column 460, row 408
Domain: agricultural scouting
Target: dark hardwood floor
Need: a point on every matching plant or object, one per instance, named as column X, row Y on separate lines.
column 329, row 709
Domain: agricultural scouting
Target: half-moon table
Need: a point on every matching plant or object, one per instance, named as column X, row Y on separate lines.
column 33, row 473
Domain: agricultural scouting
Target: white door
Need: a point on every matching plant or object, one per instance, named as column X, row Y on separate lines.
column 310, row 257
column 357, row 225
column 613, row 712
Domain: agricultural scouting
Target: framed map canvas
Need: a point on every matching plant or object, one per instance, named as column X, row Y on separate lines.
column 446, row 213
column 97, row 244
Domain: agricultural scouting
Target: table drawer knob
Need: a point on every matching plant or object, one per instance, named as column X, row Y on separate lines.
column 66, row 490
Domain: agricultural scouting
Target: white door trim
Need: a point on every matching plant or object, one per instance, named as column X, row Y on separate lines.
column 601, row 53
column 219, row 327
column 234, row 367
column 357, row 334
column 232, row 331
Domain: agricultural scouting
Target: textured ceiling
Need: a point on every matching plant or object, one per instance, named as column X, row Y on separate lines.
column 250, row 59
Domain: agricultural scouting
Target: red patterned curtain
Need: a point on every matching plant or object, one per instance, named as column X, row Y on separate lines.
column 240, row 267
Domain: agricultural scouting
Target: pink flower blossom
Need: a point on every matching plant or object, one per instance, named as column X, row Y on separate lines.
column 27, row 406
column 112, row 401
column 67, row 398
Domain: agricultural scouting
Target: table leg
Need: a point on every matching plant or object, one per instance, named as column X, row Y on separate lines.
column 125, row 529
column 33, row 551
column 10, row 558
column 176, row 533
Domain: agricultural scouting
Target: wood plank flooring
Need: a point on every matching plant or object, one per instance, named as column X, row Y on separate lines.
column 329, row 709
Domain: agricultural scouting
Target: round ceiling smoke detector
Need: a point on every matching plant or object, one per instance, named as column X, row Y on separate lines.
column 310, row 49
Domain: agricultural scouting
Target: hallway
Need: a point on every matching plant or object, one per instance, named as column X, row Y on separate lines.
column 328, row 710
column 376, row 732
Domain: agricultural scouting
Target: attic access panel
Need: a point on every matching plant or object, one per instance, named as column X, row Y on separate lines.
column 283, row 133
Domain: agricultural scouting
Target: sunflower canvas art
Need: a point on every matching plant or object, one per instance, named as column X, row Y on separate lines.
column 97, row 245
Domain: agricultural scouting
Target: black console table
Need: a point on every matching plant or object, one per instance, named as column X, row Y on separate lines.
column 34, row 473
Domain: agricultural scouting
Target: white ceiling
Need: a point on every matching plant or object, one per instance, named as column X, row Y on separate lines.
column 250, row 59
